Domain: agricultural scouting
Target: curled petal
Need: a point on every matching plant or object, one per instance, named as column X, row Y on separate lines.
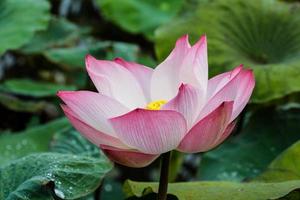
column 208, row 131
column 149, row 131
column 238, row 89
column 187, row 102
column 93, row 108
column 96, row 137
column 128, row 158
column 216, row 83
column 140, row 72
column 115, row 81
column 165, row 79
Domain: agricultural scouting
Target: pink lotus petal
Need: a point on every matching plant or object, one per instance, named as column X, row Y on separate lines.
column 149, row 131
column 238, row 89
column 205, row 134
column 187, row 102
column 128, row 158
column 96, row 137
column 194, row 70
column 165, row 79
column 141, row 73
column 114, row 80
column 244, row 92
column 226, row 133
column 216, row 83
column 93, row 108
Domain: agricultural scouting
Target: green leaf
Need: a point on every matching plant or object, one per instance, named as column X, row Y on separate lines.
column 76, row 166
column 285, row 167
column 124, row 50
column 263, row 35
column 64, row 43
column 67, row 44
column 139, row 16
column 70, row 141
column 266, row 134
column 167, row 34
column 74, row 57
column 216, row 190
column 32, row 140
column 59, row 33
column 129, row 52
column 32, row 88
column 16, row 104
column 19, row 20
column 73, row 176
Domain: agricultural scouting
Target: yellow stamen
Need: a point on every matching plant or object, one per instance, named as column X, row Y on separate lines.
column 156, row 105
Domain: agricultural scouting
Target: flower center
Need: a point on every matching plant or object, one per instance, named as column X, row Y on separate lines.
column 156, row 105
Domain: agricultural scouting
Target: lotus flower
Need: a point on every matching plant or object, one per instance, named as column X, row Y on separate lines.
column 139, row 113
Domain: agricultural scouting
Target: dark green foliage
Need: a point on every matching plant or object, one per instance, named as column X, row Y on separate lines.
column 19, row 20
column 137, row 16
column 266, row 134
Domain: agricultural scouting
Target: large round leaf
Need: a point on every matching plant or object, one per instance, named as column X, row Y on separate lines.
column 74, row 169
column 19, row 20
column 71, row 142
column 263, row 35
column 217, row 190
column 73, row 176
column 32, row 140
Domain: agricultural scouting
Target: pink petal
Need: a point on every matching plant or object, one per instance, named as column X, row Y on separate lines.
column 194, row 70
column 205, row 134
column 96, row 137
column 114, row 80
column 141, row 73
column 226, row 133
column 149, row 131
column 128, row 158
column 165, row 79
column 187, row 102
column 93, row 108
column 243, row 95
column 218, row 82
column 238, row 89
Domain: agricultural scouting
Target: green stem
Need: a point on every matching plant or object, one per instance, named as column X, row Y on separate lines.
column 164, row 173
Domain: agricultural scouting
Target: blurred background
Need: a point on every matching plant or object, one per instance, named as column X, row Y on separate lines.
column 42, row 48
